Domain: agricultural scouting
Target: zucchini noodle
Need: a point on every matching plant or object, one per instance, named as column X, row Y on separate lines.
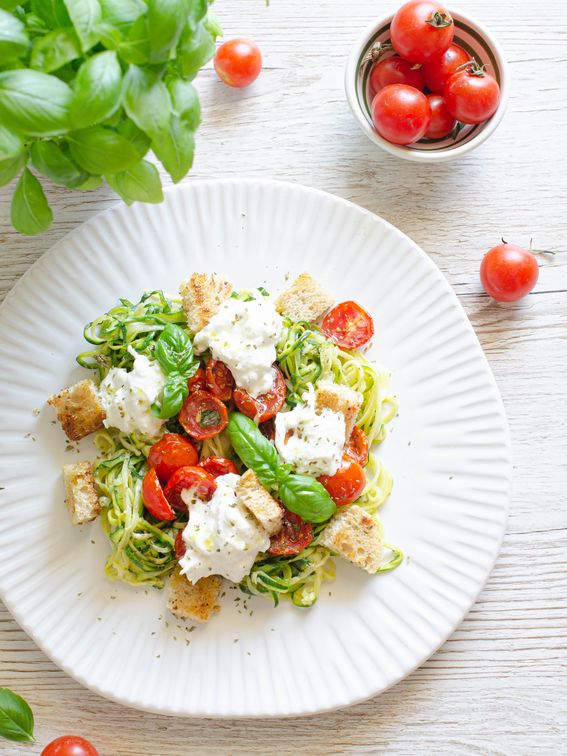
column 378, row 487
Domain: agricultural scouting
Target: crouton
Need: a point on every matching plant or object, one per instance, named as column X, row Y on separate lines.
column 339, row 399
column 82, row 499
column 251, row 493
column 304, row 300
column 202, row 296
column 196, row 602
column 79, row 409
column 356, row 536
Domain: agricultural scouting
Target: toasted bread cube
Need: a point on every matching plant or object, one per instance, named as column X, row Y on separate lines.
column 79, row 409
column 196, row 602
column 202, row 296
column 305, row 299
column 258, row 501
column 355, row 535
column 82, row 498
column 339, row 399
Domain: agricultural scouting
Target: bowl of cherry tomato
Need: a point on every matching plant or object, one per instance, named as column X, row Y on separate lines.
column 427, row 83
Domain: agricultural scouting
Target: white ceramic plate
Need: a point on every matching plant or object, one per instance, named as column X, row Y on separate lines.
column 448, row 452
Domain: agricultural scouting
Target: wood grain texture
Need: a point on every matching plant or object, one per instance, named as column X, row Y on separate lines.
column 499, row 684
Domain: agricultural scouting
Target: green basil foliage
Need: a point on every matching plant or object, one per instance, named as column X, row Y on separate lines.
column 174, row 353
column 16, row 717
column 87, row 87
column 299, row 493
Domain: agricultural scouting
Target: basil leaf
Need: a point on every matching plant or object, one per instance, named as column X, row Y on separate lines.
column 31, row 213
column 175, row 392
column 100, row 151
column 9, row 169
column 16, row 717
column 14, row 40
column 211, row 24
column 196, row 11
column 146, row 100
column 34, row 103
column 306, row 497
column 93, row 182
column 9, row 4
column 140, row 183
column 49, row 159
column 97, row 90
column 136, row 48
column 55, row 49
column 185, row 102
column 196, row 48
column 11, row 144
column 174, row 351
column 253, row 448
column 166, row 19
column 140, row 141
column 122, row 13
column 52, row 12
column 85, row 16
column 175, row 148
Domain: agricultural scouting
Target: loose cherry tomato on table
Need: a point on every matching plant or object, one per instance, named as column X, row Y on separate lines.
column 266, row 405
column 220, row 382
column 347, row 484
column 238, row 62
column 170, row 453
column 421, row 30
column 180, row 547
column 69, row 745
column 508, row 272
column 442, row 122
column 401, row 114
column 203, row 415
column 200, row 482
column 218, row 466
column 294, row 536
column 197, row 382
column 472, row 95
column 348, row 325
column 357, row 446
column 437, row 72
column 395, row 70
column 154, row 498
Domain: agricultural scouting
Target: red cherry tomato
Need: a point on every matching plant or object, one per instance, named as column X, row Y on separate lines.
column 200, row 482
column 348, row 325
column 508, row 272
column 203, row 415
column 197, row 382
column 220, row 382
column 357, row 446
column 442, row 122
column 154, row 498
column 180, row 547
column 421, row 30
column 437, row 72
column 347, row 484
column 69, row 745
column 266, row 405
column 294, row 536
column 472, row 95
column 218, row 466
column 238, row 62
column 401, row 114
column 170, row 453
column 395, row 70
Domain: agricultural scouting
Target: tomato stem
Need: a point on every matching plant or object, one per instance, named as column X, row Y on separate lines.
column 474, row 67
column 439, row 20
column 376, row 52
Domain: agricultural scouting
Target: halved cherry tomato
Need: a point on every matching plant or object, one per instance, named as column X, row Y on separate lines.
column 218, row 466
column 268, row 429
column 203, row 415
column 170, row 453
column 266, row 405
column 357, row 447
column 347, row 484
column 437, row 72
column 193, row 479
column 219, row 380
column 180, row 547
column 197, row 382
column 348, row 326
column 69, row 745
column 154, row 498
column 295, row 535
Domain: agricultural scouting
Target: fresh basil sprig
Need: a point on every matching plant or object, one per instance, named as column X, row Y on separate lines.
column 174, row 353
column 301, row 494
column 16, row 717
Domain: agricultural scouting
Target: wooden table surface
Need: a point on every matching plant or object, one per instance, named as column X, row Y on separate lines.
column 499, row 684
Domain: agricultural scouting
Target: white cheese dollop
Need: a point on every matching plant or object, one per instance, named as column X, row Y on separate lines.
column 311, row 440
column 127, row 397
column 222, row 537
column 244, row 336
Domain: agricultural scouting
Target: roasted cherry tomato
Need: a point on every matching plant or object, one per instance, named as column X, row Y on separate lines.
column 203, row 415
column 442, row 122
column 438, row 71
column 348, row 325
column 180, row 547
column 69, row 745
column 170, row 453
column 508, row 272
column 295, row 535
column 200, row 482
column 357, row 447
column 197, row 382
column 154, row 498
column 395, row 70
column 238, row 62
column 421, row 30
column 472, row 95
column 266, row 405
column 347, row 484
column 268, row 429
column 218, row 466
column 220, row 382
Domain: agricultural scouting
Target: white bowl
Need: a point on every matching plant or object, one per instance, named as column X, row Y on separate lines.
column 472, row 37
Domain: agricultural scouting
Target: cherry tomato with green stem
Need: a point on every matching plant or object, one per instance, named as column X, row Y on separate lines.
column 472, row 95
column 421, row 30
